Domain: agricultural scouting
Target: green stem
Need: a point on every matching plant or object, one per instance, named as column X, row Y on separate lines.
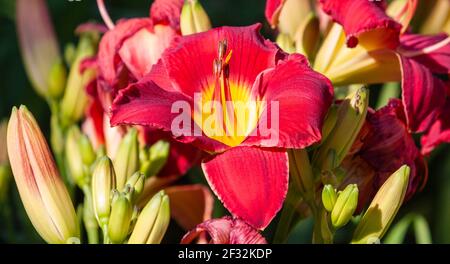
column 90, row 223
column 106, row 239
column 286, row 222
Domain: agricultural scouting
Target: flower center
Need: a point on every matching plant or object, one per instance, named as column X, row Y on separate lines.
column 226, row 111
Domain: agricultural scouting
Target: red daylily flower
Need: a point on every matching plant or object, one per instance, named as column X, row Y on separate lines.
column 383, row 145
column 127, row 52
column 247, row 69
column 225, row 231
column 421, row 58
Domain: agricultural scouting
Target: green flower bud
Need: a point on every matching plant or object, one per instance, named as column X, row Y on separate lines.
column 120, row 219
column 378, row 217
column 135, row 185
column 350, row 118
column 77, row 170
column 153, row 221
column 57, row 80
column 329, row 197
column 193, row 18
column 75, row 98
column 103, row 182
column 158, row 155
column 126, row 161
column 87, row 151
column 345, row 206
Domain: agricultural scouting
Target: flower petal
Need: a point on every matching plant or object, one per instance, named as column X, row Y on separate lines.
column 253, row 188
column 365, row 22
column 273, row 9
column 303, row 97
column 190, row 63
column 141, row 51
column 388, row 146
column 438, row 133
column 419, row 84
column 108, row 57
column 437, row 60
column 146, row 104
column 226, row 231
column 190, row 205
column 167, row 12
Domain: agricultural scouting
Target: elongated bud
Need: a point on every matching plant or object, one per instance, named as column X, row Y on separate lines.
column 286, row 43
column 120, row 219
column 38, row 43
column 157, row 158
column 193, row 18
column 329, row 197
column 135, row 185
column 378, row 217
column 74, row 102
column 153, row 221
column 126, row 162
column 43, row 194
column 103, row 182
column 57, row 80
column 78, row 171
column 350, row 118
column 345, row 206
column 87, row 150
column 57, row 136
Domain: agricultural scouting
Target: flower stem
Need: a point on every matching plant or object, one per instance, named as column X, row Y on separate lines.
column 90, row 223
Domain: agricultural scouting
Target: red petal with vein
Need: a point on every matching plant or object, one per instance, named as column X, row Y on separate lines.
column 362, row 16
column 388, row 146
column 303, row 97
column 423, row 94
column 438, row 133
column 143, row 49
column 226, row 231
column 167, row 12
column 190, row 205
column 438, row 61
column 273, row 8
column 146, row 104
column 108, row 57
column 189, row 64
column 253, row 188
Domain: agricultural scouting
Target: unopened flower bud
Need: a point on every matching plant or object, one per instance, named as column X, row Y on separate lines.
column 345, row 206
column 77, row 170
column 103, row 182
column 126, row 162
column 120, row 219
column 57, row 80
column 193, row 18
column 378, row 217
column 329, row 197
column 38, row 43
column 87, row 150
column 43, row 194
column 75, row 98
column 350, row 118
column 157, row 158
column 136, row 184
column 153, row 221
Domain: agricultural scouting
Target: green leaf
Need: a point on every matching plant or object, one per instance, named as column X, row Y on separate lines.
column 422, row 230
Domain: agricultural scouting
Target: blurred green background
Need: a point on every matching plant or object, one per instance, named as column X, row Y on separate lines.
column 433, row 202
